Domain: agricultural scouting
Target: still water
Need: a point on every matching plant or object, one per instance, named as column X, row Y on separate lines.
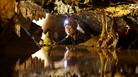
column 73, row 61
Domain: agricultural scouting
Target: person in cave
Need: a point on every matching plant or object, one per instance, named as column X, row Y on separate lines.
column 74, row 36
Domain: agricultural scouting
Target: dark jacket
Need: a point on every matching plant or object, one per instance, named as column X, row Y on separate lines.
column 80, row 37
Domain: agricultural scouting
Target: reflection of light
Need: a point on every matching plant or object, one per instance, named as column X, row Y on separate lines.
column 65, row 63
column 41, row 55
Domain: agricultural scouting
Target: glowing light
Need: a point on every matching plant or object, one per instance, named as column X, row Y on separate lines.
column 66, row 22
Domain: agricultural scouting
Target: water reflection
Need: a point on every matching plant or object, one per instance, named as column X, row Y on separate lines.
column 108, row 60
column 43, row 54
column 70, row 61
column 71, row 65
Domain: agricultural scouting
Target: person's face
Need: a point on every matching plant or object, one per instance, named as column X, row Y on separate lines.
column 69, row 30
column 69, row 54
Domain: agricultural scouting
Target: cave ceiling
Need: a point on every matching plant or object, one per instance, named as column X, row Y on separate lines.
column 115, row 8
column 112, row 7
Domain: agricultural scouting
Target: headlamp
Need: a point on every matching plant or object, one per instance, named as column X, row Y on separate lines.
column 66, row 22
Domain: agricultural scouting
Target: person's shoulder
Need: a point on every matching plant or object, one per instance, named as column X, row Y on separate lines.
column 83, row 34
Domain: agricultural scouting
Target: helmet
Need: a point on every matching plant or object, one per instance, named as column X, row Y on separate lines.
column 70, row 22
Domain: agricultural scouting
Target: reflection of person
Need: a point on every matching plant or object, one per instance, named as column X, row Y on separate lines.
column 70, row 63
column 73, row 35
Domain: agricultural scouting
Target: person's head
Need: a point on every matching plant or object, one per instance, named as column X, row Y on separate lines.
column 70, row 26
column 69, row 54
